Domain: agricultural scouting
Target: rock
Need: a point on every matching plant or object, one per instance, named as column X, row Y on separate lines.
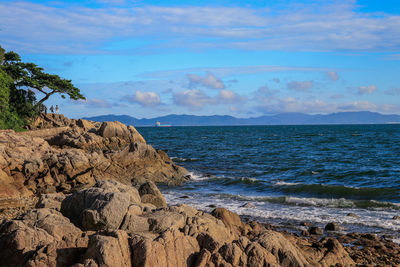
column 111, row 129
column 172, row 248
column 396, row 217
column 230, row 219
column 109, row 249
column 332, row 226
column 352, row 215
column 162, row 220
column 232, row 254
column 305, row 233
column 314, row 230
column 85, row 124
column 307, row 224
column 285, row 252
column 257, row 256
column 335, row 254
column 98, row 208
column 78, row 154
column 151, row 194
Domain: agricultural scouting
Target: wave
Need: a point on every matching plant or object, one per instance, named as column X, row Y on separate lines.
column 338, row 191
column 316, row 202
column 177, row 159
column 198, row 176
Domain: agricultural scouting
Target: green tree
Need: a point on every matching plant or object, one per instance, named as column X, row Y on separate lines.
column 30, row 77
column 20, row 83
column 9, row 118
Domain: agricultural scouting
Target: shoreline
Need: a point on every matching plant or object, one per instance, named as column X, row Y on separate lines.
column 67, row 200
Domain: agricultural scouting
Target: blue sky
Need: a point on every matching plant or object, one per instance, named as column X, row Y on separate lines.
column 242, row 58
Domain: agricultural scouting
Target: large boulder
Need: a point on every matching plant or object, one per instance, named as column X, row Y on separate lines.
column 109, row 249
column 170, row 249
column 102, row 207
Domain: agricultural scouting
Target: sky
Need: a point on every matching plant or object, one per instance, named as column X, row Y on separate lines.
column 241, row 58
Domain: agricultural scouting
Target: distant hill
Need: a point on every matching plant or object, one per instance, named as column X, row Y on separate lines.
column 360, row 117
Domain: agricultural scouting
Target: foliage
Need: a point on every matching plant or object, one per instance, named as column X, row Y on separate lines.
column 9, row 118
column 19, row 83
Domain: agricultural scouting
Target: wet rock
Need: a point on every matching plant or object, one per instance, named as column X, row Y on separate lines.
column 352, row 215
column 396, row 217
column 332, row 226
column 314, row 230
column 307, row 224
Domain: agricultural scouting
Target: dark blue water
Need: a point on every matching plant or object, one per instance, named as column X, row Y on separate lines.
column 290, row 173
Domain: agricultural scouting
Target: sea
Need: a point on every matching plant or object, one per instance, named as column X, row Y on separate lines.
column 288, row 175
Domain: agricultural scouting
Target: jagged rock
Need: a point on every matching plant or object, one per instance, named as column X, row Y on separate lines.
column 41, row 237
column 77, row 154
column 149, row 193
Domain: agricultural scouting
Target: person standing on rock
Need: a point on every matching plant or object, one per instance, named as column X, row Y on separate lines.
column 52, row 109
column 45, row 110
column 57, row 109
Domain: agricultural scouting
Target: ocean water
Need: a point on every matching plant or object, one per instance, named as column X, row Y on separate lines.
column 290, row 174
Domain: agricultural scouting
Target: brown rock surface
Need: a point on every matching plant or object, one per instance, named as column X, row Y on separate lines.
column 76, row 154
column 175, row 236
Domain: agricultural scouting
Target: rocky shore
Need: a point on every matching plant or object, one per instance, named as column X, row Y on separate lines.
column 80, row 193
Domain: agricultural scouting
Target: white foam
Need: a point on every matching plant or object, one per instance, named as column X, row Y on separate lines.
column 197, row 176
column 280, row 183
column 372, row 220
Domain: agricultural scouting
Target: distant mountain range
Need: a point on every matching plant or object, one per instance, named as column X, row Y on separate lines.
column 360, row 117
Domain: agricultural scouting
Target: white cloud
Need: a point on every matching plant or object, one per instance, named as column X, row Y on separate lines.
column 362, row 90
column 332, row 75
column 93, row 103
column 209, row 81
column 300, row 86
column 228, row 96
column 145, row 99
column 194, row 98
column 321, row 26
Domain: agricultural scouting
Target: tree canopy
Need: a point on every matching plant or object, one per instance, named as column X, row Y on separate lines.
column 21, row 83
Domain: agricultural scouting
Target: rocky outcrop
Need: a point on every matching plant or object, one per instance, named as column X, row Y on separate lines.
column 109, row 225
column 77, row 154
